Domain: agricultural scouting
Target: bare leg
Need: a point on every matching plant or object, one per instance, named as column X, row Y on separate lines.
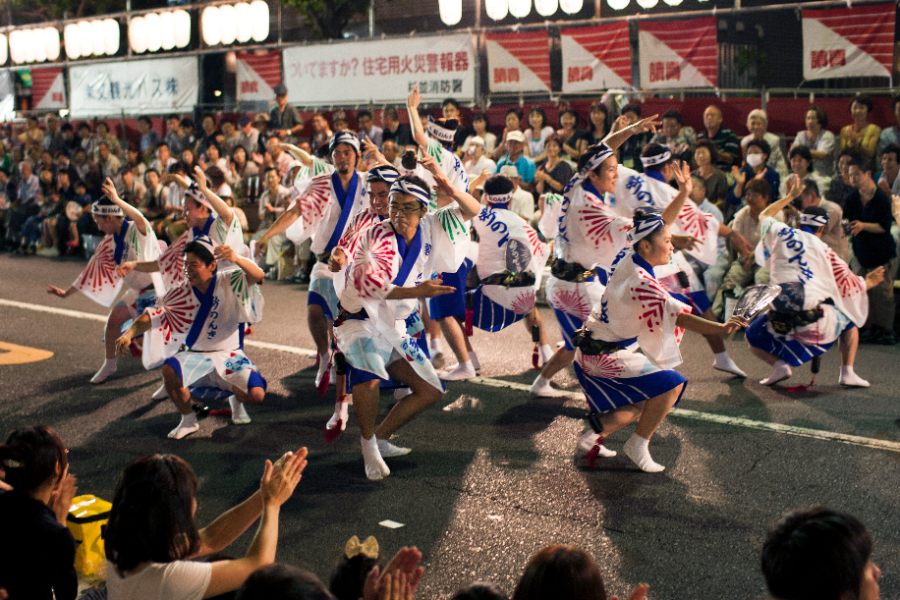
column 655, row 410
column 178, row 393
column 849, row 346
column 365, row 403
column 620, row 418
column 318, row 327
column 423, row 395
column 456, row 338
column 534, row 318
column 114, row 322
column 561, row 359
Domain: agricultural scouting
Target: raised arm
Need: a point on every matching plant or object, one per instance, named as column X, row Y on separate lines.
column 469, row 206
column 298, row 153
column 281, row 224
column 109, row 190
column 685, row 186
column 415, row 121
column 254, row 273
column 621, row 132
column 219, row 206
column 793, row 190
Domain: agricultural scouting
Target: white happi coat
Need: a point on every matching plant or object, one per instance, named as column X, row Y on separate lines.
column 507, row 243
column 589, row 232
column 634, row 305
column 370, row 343
column 635, row 190
column 171, row 262
column 793, row 255
column 99, row 281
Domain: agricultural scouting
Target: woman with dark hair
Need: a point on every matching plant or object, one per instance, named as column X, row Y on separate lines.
column 481, row 126
column 152, row 535
column 818, row 139
column 512, row 122
column 705, row 157
column 600, row 123
column 554, row 173
column 573, row 140
column 861, row 136
column 564, row 571
column 284, row 582
column 38, row 553
column 537, row 134
column 756, row 157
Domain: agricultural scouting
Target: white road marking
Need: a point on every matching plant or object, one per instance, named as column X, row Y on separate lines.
column 683, row 413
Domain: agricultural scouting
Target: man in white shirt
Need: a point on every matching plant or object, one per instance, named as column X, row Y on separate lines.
column 475, row 162
column 522, row 202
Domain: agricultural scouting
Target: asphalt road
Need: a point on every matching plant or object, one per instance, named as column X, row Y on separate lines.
column 490, row 484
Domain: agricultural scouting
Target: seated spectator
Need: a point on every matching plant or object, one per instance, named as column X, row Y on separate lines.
column 105, row 136
column 149, row 138
column 834, row 235
column 391, row 152
column 213, row 158
column 755, row 167
column 678, row 138
column 554, row 173
column 522, row 202
column 728, row 150
column 868, row 209
column 600, row 123
column 242, row 175
column 261, row 125
column 574, row 142
column 210, row 134
column 562, row 571
column 356, row 563
column 820, row 554
column 248, row 136
column 537, row 134
column 890, row 135
column 151, row 557
column 38, row 552
column 819, row 140
column 475, row 160
column 339, row 121
column 154, row 199
column 480, row 125
column 450, row 109
column 164, row 158
column 742, row 269
column 758, row 124
column 274, row 200
column 130, row 187
column 887, row 178
column 860, row 136
column 515, row 144
column 368, row 128
column 188, row 160
column 714, row 179
column 283, row 582
column 479, row 590
column 840, row 188
column 512, row 122
column 630, row 151
column 801, row 168
column 109, row 162
column 393, row 130
column 712, row 274
column 230, row 137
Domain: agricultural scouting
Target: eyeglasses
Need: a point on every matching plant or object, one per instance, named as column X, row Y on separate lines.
column 406, row 209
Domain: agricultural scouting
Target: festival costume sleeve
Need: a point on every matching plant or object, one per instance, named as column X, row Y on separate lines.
column 599, row 226
column 228, row 235
column 171, row 262
column 449, row 238
column 540, row 253
column 248, row 296
column 373, row 267
column 851, row 298
column 170, row 321
column 768, row 237
column 313, row 197
column 703, row 226
column 658, row 312
column 548, row 224
column 450, row 165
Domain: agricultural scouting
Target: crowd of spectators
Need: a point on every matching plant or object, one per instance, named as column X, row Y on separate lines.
column 50, row 171
column 155, row 548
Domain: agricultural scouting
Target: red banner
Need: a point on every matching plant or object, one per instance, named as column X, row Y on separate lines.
column 518, row 62
column 257, row 75
column 595, row 58
column 678, row 54
column 48, row 89
column 848, row 42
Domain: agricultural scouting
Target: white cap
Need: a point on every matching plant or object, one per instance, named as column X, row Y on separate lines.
column 509, row 171
column 515, row 136
column 476, row 140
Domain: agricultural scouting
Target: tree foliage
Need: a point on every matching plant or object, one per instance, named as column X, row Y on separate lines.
column 30, row 11
column 329, row 17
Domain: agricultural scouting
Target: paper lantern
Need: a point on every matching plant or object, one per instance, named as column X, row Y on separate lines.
column 451, row 11
column 519, row 8
column 4, row 49
column 111, row 36
column 227, row 24
column 497, row 9
column 209, row 26
column 167, row 30
column 571, row 7
column 647, row 3
column 546, row 8
column 137, row 39
column 153, row 31
column 260, row 20
column 71, row 41
column 182, row 28
column 243, row 15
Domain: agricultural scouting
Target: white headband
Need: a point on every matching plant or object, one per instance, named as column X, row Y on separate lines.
column 206, row 243
column 440, row 132
column 498, row 198
column 106, row 210
column 416, row 191
column 382, row 173
column 813, row 220
column 193, row 192
column 656, row 159
column 644, row 227
column 602, row 153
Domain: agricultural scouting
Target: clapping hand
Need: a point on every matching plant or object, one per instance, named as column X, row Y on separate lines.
column 405, row 563
column 279, row 480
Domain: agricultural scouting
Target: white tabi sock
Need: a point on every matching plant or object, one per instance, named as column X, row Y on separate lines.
column 473, row 358
column 546, row 352
column 186, row 427
column 108, row 368
column 638, row 450
column 542, row 388
column 239, row 414
column 850, row 378
column 462, row 371
column 435, row 346
column 723, row 362
column 376, row 469
column 780, row 371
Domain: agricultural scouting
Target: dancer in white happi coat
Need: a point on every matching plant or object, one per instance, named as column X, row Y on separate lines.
column 629, row 346
column 129, row 237
column 651, row 189
column 588, row 235
column 821, row 299
column 322, row 212
column 194, row 332
column 390, row 271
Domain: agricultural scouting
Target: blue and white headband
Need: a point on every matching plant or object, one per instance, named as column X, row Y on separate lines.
column 193, row 192
column 811, row 220
column 106, row 210
column 411, row 189
column 602, row 152
column 440, row 130
column 656, row 159
column 206, row 242
column 384, row 173
column 644, row 227
column 344, row 137
column 498, row 198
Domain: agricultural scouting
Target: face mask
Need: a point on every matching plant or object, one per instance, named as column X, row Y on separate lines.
column 754, row 160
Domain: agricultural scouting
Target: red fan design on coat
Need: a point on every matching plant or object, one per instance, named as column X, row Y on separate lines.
column 176, row 313
column 372, row 268
column 524, row 302
column 599, row 224
column 652, row 298
column 601, row 365
column 314, row 202
column 539, row 250
column 849, row 284
column 355, row 228
column 171, row 262
column 572, row 303
column 693, row 221
column 101, row 270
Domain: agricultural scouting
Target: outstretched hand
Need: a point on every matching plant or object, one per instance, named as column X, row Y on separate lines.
column 109, row 190
column 733, row 324
column 874, row 277
column 638, row 593
column 683, row 177
column 414, row 99
column 406, row 563
column 200, row 176
column 434, row 287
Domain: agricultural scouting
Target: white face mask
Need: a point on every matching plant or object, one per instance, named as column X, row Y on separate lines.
column 754, row 160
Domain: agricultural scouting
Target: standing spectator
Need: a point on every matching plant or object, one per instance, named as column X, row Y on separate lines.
column 573, row 140
column 600, row 123
column 368, row 129
column 480, row 125
column 38, row 552
column 187, row 138
column 728, row 150
column 841, row 188
column 53, row 138
column 860, row 136
column 450, row 110
column 33, row 136
column 87, row 139
column 512, row 122
column 394, row 130
column 674, row 135
column 284, row 119
column 522, row 202
column 211, row 135
column 154, row 199
column 515, row 143
column 173, row 133
column 69, row 141
column 261, row 124
column 819, row 140
column 273, row 201
column 321, row 134
column 714, row 179
column 104, row 135
column 248, row 137
column 819, row 553
column 554, row 173
column 537, row 134
column 134, row 160
column 868, row 210
column 475, row 161
column 151, row 558
column 149, row 138
column 890, row 135
column 391, row 152
column 758, row 124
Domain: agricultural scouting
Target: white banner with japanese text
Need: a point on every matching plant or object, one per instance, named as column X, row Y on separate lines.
column 681, row 53
column 518, row 61
column 381, row 71
column 848, row 42
column 136, row 87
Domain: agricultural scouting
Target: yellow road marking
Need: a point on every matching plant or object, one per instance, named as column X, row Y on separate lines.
column 13, row 354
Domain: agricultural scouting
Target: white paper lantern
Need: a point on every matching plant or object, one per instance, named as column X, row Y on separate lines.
column 618, row 4
column 84, row 38
column 182, row 29
column 227, row 24
column 15, row 48
column 647, row 3
column 497, row 9
column 260, row 20
column 243, row 15
column 571, row 7
column 153, row 32
column 210, row 26
column 167, row 30
column 137, row 39
column 111, row 37
column 519, row 8
column 98, row 45
column 546, row 8
column 51, row 42
column 71, row 42
column 451, row 11
column 4, row 49
column 673, row 2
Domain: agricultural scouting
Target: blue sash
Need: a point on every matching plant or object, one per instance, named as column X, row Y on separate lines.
column 119, row 239
column 409, row 254
column 200, row 231
column 203, row 312
column 346, row 200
